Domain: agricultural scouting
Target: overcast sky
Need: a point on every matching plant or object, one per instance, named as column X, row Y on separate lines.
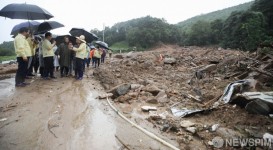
column 93, row 14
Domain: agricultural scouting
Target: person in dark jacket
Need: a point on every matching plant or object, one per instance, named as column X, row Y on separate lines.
column 64, row 53
column 103, row 55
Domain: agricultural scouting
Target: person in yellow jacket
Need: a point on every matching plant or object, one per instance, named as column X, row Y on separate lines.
column 21, row 48
column 48, row 55
column 80, row 55
column 97, row 56
column 30, row 54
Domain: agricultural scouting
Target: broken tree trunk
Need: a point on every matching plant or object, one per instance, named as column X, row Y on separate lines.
column 262, row 72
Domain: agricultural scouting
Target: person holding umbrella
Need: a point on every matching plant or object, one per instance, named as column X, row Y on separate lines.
column 48, row 55
column 65, row 56
column 97, row 56
column 30, row 55
column 80, row 55
column 103, row 55
column 21, row 47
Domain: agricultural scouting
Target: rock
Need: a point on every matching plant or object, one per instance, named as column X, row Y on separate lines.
column 141, row 61
column 210, row 143
column 120, row 90
column 154, row 116
column 163, row 87
column 251, row 132
column 268, row 137
column 127, row 109
column 152, row 101
column 162, row 97
column 186, row 123
column 228, row 133
column 147, row 64
column 142, row 98
column 147, row 94
column 133, row 94
column 165, row 127
column 158, row 68
column 118, row 75
column 169, row 61
column 3, row 119
column 135, row 86
column 129, row 55
column 258, row 107
column 192, row 130
column 184, row 141
column 123, row 98
column 117, row 70
column 148, row 108
column 105, row 86
column 103, row 96
column 214, row 127
column 198, row 92
column 147, row 82
column 151, row 89
column 119, row 56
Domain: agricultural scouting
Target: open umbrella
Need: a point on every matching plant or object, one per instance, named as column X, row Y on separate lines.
column 102, row 44
column 25, row 11
column 47, row 26
column 89, row 37
column 60, row 39
column 32, row 25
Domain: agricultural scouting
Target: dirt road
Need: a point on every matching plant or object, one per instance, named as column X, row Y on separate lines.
column 64, row 114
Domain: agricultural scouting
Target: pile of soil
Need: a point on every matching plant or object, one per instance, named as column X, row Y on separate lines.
column 166, row 77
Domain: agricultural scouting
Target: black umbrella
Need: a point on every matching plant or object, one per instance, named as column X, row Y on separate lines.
column 102, row 44
column 89, row 37
column 60, row 39
column 47, row 26
column 25, row 11
column 32, row 25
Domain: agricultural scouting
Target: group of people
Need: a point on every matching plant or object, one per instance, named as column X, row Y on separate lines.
column 35, row 54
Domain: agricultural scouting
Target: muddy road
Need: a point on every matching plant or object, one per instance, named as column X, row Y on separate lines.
column 65, row 114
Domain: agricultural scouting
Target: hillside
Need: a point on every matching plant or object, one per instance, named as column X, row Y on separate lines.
column 220, row 14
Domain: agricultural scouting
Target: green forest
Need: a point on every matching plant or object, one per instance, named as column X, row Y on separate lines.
column 243, row 27
column 7, row 49
column 209, row 17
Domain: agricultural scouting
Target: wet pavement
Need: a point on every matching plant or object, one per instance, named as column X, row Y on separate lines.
column 66, row 115
column 103, row 128
column 7, row 88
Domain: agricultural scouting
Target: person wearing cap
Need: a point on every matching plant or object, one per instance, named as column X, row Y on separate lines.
column 21, row 47
column 80, row 55
column 48, row 55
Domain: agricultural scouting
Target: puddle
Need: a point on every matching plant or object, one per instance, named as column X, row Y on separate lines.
column 103, row 128
column 7, row 88
column 99, row 129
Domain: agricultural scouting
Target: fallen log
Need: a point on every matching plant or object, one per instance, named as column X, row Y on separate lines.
column 262, row 72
